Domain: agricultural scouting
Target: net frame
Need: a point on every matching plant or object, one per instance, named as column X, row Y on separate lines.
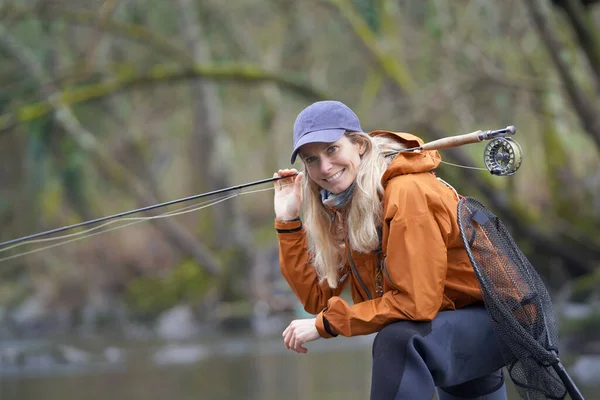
column 518, row 303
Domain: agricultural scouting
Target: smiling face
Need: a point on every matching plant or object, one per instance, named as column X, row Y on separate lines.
column 333, row 166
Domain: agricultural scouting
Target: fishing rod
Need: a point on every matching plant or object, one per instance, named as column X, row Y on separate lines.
column 502, row 156
column 137, row 210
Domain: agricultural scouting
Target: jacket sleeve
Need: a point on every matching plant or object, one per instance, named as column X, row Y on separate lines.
column 294, row 261
column 414, row 272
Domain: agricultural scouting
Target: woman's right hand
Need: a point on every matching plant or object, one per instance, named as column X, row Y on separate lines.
column 288, row 194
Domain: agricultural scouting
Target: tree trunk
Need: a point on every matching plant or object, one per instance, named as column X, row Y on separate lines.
column 589, row 116
column 174, row 232
column 587, row 35
column 209, row 141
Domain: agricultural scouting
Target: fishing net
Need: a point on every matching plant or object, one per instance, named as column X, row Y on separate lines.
column 517, row 301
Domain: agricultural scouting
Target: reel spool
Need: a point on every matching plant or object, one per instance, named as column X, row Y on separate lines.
column 502, row 156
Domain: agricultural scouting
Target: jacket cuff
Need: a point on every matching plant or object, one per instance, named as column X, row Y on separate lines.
column 294, row 225
column 323, row 326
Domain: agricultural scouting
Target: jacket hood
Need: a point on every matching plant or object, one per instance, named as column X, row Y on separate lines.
column 410, row 162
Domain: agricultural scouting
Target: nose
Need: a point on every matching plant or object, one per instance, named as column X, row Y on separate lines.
column 325, row 165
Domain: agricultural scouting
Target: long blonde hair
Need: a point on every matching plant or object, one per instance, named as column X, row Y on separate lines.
column 327, row 232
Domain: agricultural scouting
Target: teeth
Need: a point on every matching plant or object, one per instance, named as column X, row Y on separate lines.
column 333, row 178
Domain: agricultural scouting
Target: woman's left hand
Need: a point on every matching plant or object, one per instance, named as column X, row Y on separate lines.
column 298, row 332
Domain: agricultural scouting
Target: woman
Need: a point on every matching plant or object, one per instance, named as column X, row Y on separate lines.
column 382, row 223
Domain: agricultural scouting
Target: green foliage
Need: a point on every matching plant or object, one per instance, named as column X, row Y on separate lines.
column 38, row 150
column 74, row 177
column 582, row 328
column 367, row 9
column 584, row 287
column 235, row 265
column 432, row 23
column 148, row 296
column 264, row 235
column 11, row 292
column 38, row 160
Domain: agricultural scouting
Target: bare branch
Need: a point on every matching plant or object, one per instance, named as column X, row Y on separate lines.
column 392, row 66
column 584, row 107
column 174, row 232
column 128, row 78
column 131, row 31
column 587, row 34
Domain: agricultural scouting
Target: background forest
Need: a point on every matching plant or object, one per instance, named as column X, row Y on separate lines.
column 111, row 105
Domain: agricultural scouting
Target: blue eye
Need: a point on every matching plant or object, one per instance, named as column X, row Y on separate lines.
column 331, row 149
column 310, row 160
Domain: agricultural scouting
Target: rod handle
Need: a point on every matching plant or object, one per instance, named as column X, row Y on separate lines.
column 468, row 138
column 453, row 141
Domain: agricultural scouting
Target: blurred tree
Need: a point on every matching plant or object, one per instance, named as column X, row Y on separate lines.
column 568, row 3
column 585, row 107
column 586, row 31
column 87, row 142
column 209, row 142
column 190, row 96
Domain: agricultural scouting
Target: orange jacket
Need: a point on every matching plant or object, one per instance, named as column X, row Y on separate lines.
column 424, row 264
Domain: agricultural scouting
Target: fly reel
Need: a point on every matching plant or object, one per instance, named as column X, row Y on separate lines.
column 502, row 156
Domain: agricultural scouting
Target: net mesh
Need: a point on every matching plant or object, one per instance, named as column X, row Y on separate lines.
column 517, row 301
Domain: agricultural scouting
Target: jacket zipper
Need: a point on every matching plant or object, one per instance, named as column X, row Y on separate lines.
column 387, row 274
column 355, row 273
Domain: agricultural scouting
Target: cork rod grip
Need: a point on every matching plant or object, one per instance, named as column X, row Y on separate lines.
column 453, row 141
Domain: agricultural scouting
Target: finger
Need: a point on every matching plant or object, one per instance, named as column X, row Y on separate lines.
column 299, row 348
column 288, row 339
column 287, row 172
column 292, row 338
column 281, row 175
column 298, row 181
column 297, row 343
column 302, row 349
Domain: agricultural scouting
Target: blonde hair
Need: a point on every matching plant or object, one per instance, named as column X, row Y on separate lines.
column 327, row 232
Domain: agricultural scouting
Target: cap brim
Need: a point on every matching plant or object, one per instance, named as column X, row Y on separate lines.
column 323, row 136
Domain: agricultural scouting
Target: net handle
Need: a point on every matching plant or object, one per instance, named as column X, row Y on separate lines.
column 568, row 382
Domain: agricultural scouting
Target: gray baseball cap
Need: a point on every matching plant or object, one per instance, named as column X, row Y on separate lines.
column 324, row 122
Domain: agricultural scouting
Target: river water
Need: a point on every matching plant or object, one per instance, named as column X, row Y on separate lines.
column 218, row 368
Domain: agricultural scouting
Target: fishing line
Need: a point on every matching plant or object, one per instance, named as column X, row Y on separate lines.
column 134, row 220
column 456, row 165
column 138, row 210
column 137, row 219
column 445, row 162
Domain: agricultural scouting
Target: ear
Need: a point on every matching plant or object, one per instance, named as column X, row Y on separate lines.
column 362, row 147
